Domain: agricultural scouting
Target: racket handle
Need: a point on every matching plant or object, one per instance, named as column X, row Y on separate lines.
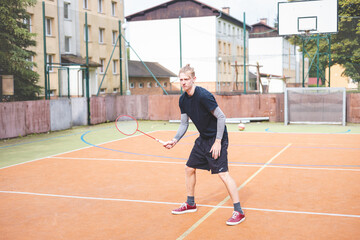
column 162, row 142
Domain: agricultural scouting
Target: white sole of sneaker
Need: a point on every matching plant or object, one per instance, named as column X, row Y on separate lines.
column 236, row 223
column 186, row 211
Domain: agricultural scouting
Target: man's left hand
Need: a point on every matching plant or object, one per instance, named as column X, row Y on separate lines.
column 216, row 149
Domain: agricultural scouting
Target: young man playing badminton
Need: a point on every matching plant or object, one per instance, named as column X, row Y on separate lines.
column 210, row 148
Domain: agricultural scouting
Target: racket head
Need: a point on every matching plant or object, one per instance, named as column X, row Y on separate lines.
column 126, row 125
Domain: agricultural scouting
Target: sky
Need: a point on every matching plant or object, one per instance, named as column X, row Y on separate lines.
column 254, row 9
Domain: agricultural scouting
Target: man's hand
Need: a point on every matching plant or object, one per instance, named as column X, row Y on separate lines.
column 170, row 144
column 216, row 149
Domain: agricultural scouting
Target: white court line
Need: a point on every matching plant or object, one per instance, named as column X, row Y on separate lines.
column 173, row 203
column 193, row 227
column 183, row 162
column 74, row 150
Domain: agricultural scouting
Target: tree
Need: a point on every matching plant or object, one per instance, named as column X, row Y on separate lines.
column 345, row 44
column 15, row 39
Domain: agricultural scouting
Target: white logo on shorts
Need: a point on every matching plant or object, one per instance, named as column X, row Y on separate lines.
column 221, row 169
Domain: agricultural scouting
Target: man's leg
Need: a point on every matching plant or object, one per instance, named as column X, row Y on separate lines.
column 238, row 215
column 190, row 181
column 230, row 186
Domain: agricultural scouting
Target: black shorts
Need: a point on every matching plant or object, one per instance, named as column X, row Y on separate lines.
column 201, row 157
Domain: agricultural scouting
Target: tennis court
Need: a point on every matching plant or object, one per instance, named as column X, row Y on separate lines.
column 292, row 185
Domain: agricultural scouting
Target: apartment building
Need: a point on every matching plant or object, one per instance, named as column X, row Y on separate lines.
column 276, row 56
column 179, row 32
column 65, row 42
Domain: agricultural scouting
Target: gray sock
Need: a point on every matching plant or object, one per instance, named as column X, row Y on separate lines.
column 237, row 208
column 190, row 200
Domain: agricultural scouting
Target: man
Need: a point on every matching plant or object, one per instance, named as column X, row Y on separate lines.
column 210, row 148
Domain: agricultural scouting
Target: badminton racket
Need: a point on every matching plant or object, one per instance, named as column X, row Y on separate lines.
column 128, row 126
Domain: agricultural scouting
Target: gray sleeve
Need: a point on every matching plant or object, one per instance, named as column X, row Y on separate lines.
column 220, row 122
column 183, row 127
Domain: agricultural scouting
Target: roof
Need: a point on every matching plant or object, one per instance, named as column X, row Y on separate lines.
column 70, row 58
column 261, row 30
column 137, row 69
column 183, row 8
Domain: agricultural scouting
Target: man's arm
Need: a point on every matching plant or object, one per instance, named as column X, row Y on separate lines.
column 216, row 147
column 184, row 124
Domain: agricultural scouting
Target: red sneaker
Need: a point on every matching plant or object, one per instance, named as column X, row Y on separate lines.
column 184, row 208
column 235, row 219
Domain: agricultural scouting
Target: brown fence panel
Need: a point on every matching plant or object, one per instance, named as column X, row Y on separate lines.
column 164, row 107
column 110, row 105
column 37, row 116
column 353, row 107
column 12, row 119
column 97, row 110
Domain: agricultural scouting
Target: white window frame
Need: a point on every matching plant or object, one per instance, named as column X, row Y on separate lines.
column 149, row 84
column 67, row 44
column 100, row 6
column 132, row 85
column 67, row 11
column 141, row 85
column 48, row 26
column 102, row 63
column 28, row 22
column 50, row 59
column 113, row 8
column 85, row 4
column 101, row 35
column 114, row 37
column 115, row 64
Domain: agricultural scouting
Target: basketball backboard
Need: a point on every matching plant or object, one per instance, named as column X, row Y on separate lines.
column 311, row 16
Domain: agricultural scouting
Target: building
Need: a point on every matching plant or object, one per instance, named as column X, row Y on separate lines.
column 142, row 81
column 179, row 32
column 64, row 27
column 276, row 56
column 339, row 80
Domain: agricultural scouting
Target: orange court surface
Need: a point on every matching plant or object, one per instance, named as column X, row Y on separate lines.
column 291, row 186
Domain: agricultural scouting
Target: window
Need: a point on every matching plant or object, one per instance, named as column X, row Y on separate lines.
column 66, row 10
column 165, row 84
column 115, row 64
column 89, row 33
column 101, row 35
column 48, row 27
column 115, row 90
column 50, row 60
column 229, row 48
column 28, row 22
column 113, row 8
column 149, row 84
column 141, row 85
column 102, row 90
column 52, row 92
column 132, row 85
column 102, row 63
column 114, row 37
column 85, row 4
column 219, row 46
column 67, row 44
column 219, row 26
column 30, row 59
column 100, row 6
column 224, row 28
column 229, row 30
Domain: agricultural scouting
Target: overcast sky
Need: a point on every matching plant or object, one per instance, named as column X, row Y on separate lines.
column 254, row 9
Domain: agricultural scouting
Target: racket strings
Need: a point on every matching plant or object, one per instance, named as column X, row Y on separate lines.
column 127, row 125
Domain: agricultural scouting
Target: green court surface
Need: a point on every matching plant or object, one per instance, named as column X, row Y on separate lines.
column 36, row 146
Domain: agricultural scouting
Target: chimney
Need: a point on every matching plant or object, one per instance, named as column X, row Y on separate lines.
column 226, row 10
column 263, row 20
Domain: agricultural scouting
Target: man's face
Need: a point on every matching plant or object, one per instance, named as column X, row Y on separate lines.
column 186, row 81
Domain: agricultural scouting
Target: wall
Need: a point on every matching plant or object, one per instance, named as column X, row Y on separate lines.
column 21, row 118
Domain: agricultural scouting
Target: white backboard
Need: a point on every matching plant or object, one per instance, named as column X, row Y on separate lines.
column 314, row 16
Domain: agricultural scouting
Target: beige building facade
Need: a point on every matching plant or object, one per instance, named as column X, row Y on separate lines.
column 66, row 45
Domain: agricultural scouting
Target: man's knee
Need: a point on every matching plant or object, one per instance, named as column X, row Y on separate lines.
column 189, row 170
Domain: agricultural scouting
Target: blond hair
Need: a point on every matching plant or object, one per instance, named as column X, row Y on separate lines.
column 188, row 70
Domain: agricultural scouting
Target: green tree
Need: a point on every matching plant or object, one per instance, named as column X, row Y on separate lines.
column 15, row 41
column 345, row 44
